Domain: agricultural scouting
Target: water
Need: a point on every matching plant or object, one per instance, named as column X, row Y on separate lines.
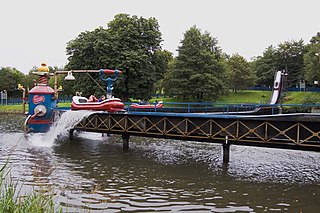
column 92, row 173
column 59, row 129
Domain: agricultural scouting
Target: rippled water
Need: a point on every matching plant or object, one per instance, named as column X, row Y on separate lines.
column 92, row 173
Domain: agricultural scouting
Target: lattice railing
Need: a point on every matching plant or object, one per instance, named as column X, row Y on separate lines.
column 239, row 130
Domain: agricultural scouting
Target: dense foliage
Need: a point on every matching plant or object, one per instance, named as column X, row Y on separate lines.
column 9, row 79
column 312, row 60
column 130, row 44
column 287, row 56
column 240, row 74
column 198, row 71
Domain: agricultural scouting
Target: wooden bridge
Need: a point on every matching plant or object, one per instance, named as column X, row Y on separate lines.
column 289, row 131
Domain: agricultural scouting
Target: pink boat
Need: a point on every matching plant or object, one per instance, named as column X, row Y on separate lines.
column 109, row 105
column 146, row 106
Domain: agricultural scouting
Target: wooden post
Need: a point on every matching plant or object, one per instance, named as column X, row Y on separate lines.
column 226, row 150
column 125, row 138
column 71, row 134
column 56, row 85
column 23, row 101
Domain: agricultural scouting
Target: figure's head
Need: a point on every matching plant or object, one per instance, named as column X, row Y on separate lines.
column 103, row 97
column 43, row 67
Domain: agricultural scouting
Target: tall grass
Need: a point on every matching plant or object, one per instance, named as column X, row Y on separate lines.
column 11, row 200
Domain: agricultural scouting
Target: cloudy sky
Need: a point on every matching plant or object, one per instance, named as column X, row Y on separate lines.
column 33, row 31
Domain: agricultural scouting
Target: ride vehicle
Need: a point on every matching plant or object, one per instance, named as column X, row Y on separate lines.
column 109, row 105
column 147, row 106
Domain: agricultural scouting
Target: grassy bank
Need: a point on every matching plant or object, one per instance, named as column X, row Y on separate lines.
column 14, row 109
column 302, row 98
column 246, row 96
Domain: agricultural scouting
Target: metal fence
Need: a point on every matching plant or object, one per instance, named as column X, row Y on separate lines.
column 290, row 89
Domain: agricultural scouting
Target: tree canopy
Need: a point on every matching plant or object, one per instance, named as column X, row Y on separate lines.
column 9, row 79
column 288, row 55
column 240, row 74
column 312, row 60
column 130, row 44
column 265, row 67
column 198, row 71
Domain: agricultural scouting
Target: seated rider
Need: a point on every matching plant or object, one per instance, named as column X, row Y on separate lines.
column 102, row 98
column 92, row 98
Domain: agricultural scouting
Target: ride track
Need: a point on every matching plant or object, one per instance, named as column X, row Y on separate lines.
column 288, row 131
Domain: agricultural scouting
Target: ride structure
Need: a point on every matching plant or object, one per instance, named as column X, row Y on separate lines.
column 43, row 99
column 109, row 80
column 41, row 102
column 111, row 104
column 277, row 87
column 147, row 106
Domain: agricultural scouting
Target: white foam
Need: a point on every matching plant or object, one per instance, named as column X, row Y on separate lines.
column 60, row 128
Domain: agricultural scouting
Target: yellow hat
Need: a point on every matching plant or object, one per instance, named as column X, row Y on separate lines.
column 43, row 67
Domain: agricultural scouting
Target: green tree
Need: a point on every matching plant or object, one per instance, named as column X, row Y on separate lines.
column 312, row 60
column 198, row 70
column 162, row 61
column 265, row 66
column 289, row 55
column 88, row 51
column 240, row 75
column 130, row 44
column 167, row 81
column 315, row 39
column 9, row 80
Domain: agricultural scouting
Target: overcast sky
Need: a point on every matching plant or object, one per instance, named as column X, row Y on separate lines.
column 33, row 31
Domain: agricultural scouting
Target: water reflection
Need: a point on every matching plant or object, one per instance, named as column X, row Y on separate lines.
column 92, row 172
column 173, row 175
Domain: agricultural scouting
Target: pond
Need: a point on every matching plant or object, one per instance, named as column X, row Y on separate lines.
column 93, row 173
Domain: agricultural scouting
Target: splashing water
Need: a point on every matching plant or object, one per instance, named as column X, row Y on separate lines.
column 60, row 128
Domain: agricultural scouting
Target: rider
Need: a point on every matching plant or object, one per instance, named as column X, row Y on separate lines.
column 102, row 98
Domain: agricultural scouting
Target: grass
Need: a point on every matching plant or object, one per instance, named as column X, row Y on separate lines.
column 302, row 98
column 17, row 108
column 11, row 201
column 65, row 104
column 243, row 96
column 246, row 96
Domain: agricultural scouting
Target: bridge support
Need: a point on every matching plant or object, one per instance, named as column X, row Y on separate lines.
column 71, row 134
column 226, row 150
column 125, row 138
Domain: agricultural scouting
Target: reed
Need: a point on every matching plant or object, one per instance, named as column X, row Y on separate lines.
column 12, row 201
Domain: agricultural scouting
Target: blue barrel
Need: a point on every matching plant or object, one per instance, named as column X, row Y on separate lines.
column 41, row 105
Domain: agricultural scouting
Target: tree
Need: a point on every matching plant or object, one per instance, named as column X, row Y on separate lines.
column 312, row 60
column 130, row 44
column 289, row 56
column 240, row 74
column 9, row 79
column 198, row 70
column 88, row 51
column 315, row 39
column 162, row 61
column 265, row 66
